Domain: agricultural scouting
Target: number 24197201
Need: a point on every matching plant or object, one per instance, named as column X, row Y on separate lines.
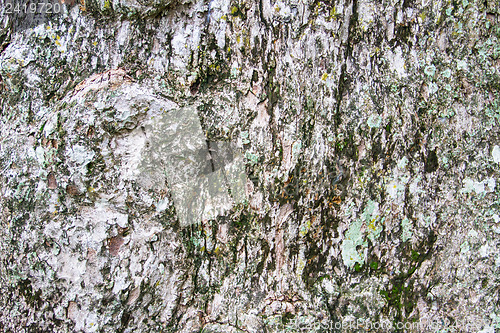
column 32, row 8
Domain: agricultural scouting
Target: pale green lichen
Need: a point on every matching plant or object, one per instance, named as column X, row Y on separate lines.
column 244, row 137
column 296, row 148
column 465, row 247
column 430, row 70
column 374, row 121
column 355, row 235
column 407, row 229
column 353, row 238
column 252, row 158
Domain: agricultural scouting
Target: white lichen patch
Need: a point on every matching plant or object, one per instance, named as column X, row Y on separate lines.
column 484, row 250
column 402, row 162
column 129, row 149
column 394, row 189
column 366, row 14
column 40, row 155
column 71, row 267
column 282, row 10
column 462, row 65
column 219, row 12
column 414, row 187
column 397, row 62
column 486, row 186
column 81, row 156
column 495, row 153
column 407, row 229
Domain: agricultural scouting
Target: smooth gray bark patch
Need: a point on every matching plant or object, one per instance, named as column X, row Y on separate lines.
column 200, row 173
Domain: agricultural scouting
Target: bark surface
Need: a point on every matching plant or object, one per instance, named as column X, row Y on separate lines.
column 370, row 141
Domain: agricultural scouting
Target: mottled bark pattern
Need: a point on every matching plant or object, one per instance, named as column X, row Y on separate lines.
column 369, row 133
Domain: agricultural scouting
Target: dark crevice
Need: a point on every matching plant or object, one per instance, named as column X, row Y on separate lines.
column 353, row 25
column 261, row 14
column 340, row 93
column 431, row 162
column 343, row 79
column 195, row 86
column 3, row 47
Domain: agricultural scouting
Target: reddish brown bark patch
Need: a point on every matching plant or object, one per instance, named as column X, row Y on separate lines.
column 51, row 181
column 114, row 244
column 72, row 190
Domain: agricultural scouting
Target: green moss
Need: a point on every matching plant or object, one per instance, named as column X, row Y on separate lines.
column 107, row 5
column 340, row 145
column 400, row 298
column 415, row 255
column 358, row 267
column 32, row 298
column 239, row 11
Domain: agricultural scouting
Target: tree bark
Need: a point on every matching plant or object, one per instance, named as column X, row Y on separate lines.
column 338, row 166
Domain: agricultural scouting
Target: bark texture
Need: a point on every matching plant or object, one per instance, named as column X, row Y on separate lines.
column 369, row 132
